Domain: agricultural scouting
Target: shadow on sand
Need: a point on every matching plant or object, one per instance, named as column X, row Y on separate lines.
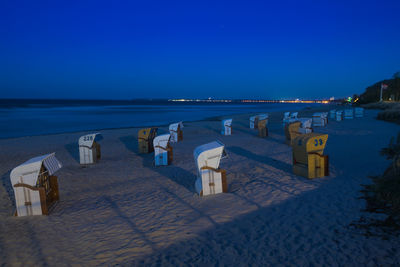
column 262, row 159
column 130, row 142
column 73, row 150
column 177, row 175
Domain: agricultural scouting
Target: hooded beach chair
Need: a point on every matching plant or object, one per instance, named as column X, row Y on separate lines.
column 292, row 131
column 339, row 115
column 226, row 127
column 264, row 116
column 262, row 126
column 305, row 126
column 325, row 117
column 89, row 149
column 318, row 119
column 332, row 114
column 294, row 115
column 210, row 179
column 162, row 150
column 145, row 139
column 286, row 118
column 348, row 114
column 35, row 186
column 175, row 130
column 254, row 122
column 359, row 112
column 308, row 158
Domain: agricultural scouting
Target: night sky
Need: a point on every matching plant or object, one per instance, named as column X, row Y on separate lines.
column 196, row 49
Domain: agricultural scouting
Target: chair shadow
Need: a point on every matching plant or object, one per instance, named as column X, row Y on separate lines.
column 213, row 129
column 245, row 125
column 177, row 175
column 6, row 183
column 114, row 206
column 198, row 211
column 130, row 143
column 262, row 159
column 248, row 131
column 73, row 150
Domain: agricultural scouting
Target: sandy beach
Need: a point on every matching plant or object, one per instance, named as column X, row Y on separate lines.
column 125, row 211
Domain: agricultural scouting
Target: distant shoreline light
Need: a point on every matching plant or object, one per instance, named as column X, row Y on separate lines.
column 251, row 101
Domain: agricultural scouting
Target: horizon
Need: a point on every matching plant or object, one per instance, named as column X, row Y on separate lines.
column 171, row 99
column 225, row 50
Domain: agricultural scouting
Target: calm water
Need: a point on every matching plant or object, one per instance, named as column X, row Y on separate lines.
column 51, row 118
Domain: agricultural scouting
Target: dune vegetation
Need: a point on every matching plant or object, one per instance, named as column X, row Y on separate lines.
column 383, row 195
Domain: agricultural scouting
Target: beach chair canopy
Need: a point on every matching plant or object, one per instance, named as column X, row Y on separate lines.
column 263, row 116
column 209, row 155
column 161, row 141
column 308, row 143
column 147, row 133
column 88, row 140
column 286, row 115
column 253, row 118
column 305, row 122
column 175, row 126
column 29, row 171
column 227, row 122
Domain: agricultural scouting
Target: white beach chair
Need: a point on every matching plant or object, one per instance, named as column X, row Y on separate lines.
column 35, row 186
column 226, row 127
column 253, row 121
column 210, row 179
column 359, row 112
column 89, row 149
column 325, row 117
column 348, row 114
column 339, row 115
column 332, row 114
column 162, row 150
column 286, row 118
column 306, row 124
column 294, row 115
column 264, row 116
column 175, row 130
column 318, row 119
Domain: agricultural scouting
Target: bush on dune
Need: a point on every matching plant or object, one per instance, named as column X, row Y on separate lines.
column 383, row 195
column 392, row 115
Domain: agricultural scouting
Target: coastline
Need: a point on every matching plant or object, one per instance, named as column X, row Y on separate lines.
column 305, row 111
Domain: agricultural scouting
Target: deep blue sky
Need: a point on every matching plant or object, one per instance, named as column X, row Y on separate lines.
column 221, row 49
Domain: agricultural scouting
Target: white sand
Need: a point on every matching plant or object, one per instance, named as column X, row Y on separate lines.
column 126, row 211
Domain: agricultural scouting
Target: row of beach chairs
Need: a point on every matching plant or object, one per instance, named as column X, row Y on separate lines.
column 36, row 187
column 346, row 114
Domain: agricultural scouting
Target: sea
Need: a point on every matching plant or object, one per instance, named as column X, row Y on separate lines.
column 19, row 118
